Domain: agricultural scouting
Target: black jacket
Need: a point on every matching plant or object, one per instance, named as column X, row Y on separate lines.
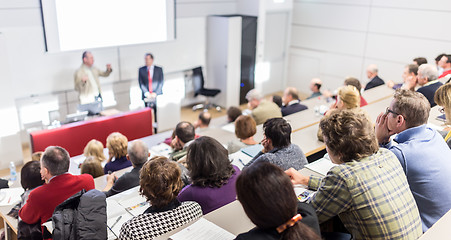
column 82, row 216
column 309, row 218
column 376, row 81
column 125, row 182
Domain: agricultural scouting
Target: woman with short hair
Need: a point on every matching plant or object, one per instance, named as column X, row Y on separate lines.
column 212, row 175
column 245, row 129
column 368, row 189
column 92, row 167
column 117, row 145
column 160, row 184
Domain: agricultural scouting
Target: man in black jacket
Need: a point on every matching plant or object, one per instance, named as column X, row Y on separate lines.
column 137, row 153
column 375, row 80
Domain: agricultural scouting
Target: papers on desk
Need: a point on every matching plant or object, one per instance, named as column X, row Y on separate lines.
column 321, row 166
column 239, row 159
column 253, row 150
column 119, row 212
column 161, row 149
column 203, row 229
column 10, row 196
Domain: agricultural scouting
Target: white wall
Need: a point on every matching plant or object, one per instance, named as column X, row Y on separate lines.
column 332, row 39
column 26, row 69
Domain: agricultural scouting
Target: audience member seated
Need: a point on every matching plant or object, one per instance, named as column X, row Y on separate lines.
column 437, row 60
column 427, row 79
column 202, row 122
column 315, row 86
column 262, row 110
column 268, row 198
column 183, row 136
column 420, row 60
column 409, row 77
column 291, row 102
column 277, row 147
column 92, row 167
column 233, row 113
column 59, row 186
column 356, row 83
column 117, row 150
column 137, row 154
column 30, row 178
column 36, row 156
column 160, row 184
column 443, row 98
column 445, row 64
column 348, row 98
column 367, row 189
column 213, row 176
column 245, row 129
column 94, row 148
column 422, row 152
column 375, row 80
column 277, row 100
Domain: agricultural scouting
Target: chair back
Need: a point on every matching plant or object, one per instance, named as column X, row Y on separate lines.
column 198, row 80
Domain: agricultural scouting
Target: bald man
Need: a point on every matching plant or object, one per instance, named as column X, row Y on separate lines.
column 315, row 85
column 291, row 102
column 375, row 80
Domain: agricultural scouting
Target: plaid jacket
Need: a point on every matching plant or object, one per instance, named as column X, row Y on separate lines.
column 371, row 197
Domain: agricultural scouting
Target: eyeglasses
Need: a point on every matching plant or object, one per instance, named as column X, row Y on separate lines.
column 441, row 110
column 388, row 110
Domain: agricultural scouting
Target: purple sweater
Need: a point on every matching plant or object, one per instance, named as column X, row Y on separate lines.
column 211, row 198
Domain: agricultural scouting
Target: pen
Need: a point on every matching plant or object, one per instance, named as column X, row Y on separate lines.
column 117, row 220
column 9, row 200
column 241, row 161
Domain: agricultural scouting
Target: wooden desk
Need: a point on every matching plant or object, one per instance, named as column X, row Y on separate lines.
column 100, row 182
column 9, row 222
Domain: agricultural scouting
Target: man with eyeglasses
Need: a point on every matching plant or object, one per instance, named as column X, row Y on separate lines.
column 422, row 152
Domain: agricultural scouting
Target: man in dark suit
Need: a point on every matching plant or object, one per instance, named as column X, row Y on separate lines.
column 375, row 80
column 137, row 153
column 291, row 102
column 151, row 80
column 427, row 79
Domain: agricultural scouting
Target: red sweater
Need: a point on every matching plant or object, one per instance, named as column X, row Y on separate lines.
column 43, row 200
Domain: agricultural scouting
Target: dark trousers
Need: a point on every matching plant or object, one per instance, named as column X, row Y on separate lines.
column 153, row 105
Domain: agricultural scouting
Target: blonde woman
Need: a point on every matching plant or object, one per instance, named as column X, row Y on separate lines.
column 443, row 99
column 117, row 150
column 94, row 148
column 348, row 97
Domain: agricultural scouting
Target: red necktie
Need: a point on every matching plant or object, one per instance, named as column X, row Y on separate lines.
column 150, row 80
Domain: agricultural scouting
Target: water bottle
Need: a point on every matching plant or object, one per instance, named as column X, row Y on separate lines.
column 12, row 171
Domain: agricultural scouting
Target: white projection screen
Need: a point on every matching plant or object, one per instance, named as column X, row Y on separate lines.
column 84, row 24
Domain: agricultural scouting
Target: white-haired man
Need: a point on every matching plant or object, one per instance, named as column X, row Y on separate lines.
column 427, row 79
column 262, row 110
column 375, row 80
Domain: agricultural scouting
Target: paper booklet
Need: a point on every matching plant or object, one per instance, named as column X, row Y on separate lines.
column 321, row 166
column 203, row 229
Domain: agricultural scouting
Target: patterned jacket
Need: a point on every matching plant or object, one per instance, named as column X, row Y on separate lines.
column 371, row 196
column 153, row 223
